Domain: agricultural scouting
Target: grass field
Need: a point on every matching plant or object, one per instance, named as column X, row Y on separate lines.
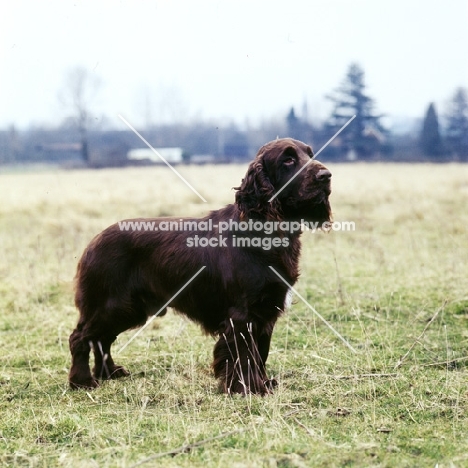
column 396, row 288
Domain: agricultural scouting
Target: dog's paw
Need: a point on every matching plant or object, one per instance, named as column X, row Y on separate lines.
column 86, row 384
column 110, row 373
column 117, row 372
column 270, row 384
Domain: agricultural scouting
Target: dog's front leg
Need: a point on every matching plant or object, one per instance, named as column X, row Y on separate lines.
column 237, row 361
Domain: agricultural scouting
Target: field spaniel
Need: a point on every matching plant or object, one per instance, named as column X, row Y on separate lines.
column 127, row 275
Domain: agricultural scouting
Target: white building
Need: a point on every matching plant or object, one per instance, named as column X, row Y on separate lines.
column 171, row 155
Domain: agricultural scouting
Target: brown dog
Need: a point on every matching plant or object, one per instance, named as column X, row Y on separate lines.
column 128, row 273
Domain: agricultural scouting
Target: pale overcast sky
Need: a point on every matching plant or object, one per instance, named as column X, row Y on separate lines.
column 229, row 59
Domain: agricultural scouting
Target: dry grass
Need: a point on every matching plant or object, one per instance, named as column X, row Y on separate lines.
column 380, row 286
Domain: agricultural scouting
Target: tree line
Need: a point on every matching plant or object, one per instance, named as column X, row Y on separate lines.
column 366, row 138
column 450, row 142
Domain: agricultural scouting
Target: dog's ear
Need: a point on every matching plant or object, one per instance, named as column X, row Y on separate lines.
column 256, row 189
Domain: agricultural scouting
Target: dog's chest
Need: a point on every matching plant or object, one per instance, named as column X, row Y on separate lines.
column 288, row 299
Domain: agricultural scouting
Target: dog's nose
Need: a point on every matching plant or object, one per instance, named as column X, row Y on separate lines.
column 323, row 175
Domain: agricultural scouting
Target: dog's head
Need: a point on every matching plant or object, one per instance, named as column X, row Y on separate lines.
column 284, row 169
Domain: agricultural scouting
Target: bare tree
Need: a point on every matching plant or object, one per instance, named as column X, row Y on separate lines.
column 78, row 94
column 171, row 106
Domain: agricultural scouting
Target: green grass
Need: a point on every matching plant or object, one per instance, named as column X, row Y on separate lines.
column 379, row 287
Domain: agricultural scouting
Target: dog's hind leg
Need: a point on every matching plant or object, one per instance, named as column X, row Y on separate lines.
column 115, row 320
column 104, row 366
column 97, row 335
column 80, row 373
column 130, row 309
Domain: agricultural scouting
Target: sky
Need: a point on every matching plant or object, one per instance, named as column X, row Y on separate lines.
column 228, row 61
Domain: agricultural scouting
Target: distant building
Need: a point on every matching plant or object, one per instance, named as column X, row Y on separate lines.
column 171, row 155
column 203, row 159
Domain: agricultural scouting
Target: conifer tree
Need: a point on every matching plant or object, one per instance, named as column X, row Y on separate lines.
column 351, row 99
column 457, row 125
column 431, row 141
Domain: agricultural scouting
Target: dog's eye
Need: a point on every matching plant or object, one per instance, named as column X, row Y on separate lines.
column 289, row 162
